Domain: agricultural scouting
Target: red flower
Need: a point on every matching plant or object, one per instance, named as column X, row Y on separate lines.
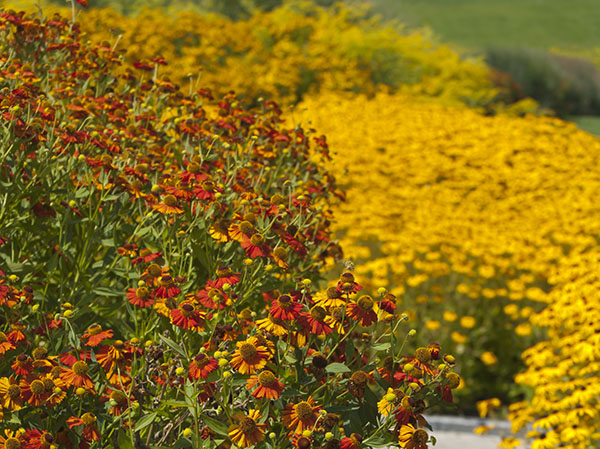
column 314, row 322
column 167, row 288
column 37, row 439
column 255, row 246
column 187, row 317
column 362, row 310
column 202, row 366
column 285, row 308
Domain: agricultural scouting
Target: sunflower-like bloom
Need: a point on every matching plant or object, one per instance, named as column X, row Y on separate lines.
column 413, row 438
column 10, row 394
column 268, row 385
column 249, row 356
column 301, row 416
column 247, row 431
column 285, row 308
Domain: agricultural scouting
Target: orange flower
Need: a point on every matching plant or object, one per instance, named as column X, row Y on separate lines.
column 168, row 206
column 5, row 344
column 95, row 335
column 249, row 356
column 77, row 376
column 140, row 297
column 90, row 431
column 34, row 393
column 268, row 385
column 247, row 431
column 301, row 416
column 166, row 288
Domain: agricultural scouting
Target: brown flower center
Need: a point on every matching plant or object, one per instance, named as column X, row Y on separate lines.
column 284, row 301
column 37, row 387
column 359, row 378
column 154, row 270
column 145, row 252
column 48, row 438
column 248, row 351
column 365, row 302
column 247, row 425
column 332, row 293
column 280, row 252
column 88, row 418
column 319, row 361
column 193, row 168
column 170, row 200
column 80, row 368
column 94, row 330
column 246, row 228
column 166, row 280
column 187, row 309
column 223, row 271
column 423, row 355
column 420, row 437
column 48, row 384
column 39, row 353
column 303, row 410
column 257, row 240
column 14, row 391
column 266, row 379
column 208, row 186
column 201, row 359
column 318, row 313
column 21, row 359
column 347, row 277
column 337, row 314
column 12, row 443
column 303, row 443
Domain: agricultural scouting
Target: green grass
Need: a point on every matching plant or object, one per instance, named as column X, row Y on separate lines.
column 589, row 123
column 571, row 25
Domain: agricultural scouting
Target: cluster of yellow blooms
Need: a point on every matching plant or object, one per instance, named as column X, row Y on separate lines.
column 564, row 370
column 290, row 51
column 465, row 216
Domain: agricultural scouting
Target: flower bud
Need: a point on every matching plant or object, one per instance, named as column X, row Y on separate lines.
column 307, row 433
column 187, row 432
column 412, row 333
column 179, row 371
column 80, row 391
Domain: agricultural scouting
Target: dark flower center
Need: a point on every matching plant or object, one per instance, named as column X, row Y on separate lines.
column 248, row 351
column 266, row 379
column 247, row 425
column 80, row 368
column 303, row 410
column 37, row 387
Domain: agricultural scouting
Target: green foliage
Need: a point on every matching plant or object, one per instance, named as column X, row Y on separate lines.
column 565, row 84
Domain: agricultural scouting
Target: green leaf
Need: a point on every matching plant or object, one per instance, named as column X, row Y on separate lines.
column 217, row 426
column 174, row 346
column 382, row 347
column 145, row 421
column 124, row 441
column 333, row 368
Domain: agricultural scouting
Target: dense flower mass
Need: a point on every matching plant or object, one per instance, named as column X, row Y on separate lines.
column 295, row 49
column 461, row 215
column 160, row 255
